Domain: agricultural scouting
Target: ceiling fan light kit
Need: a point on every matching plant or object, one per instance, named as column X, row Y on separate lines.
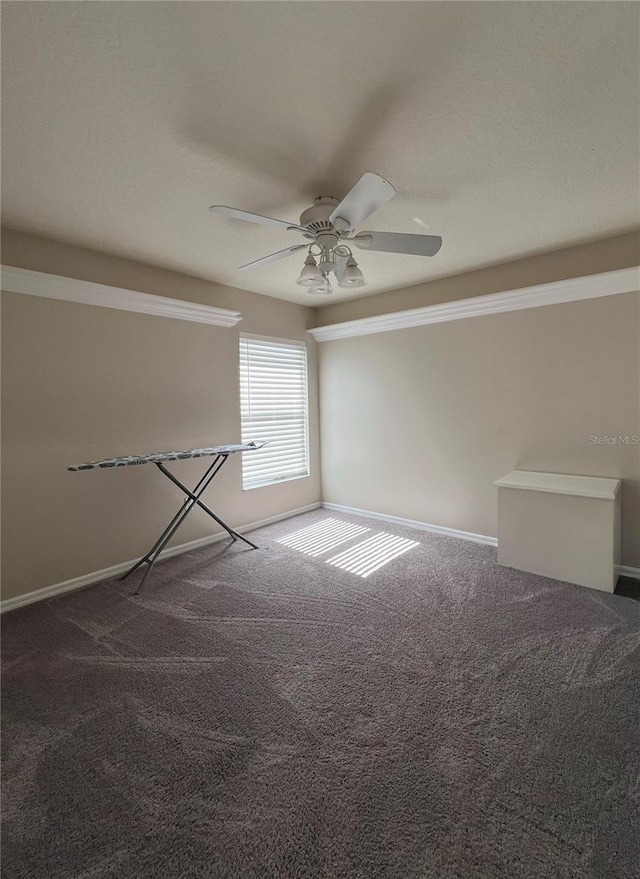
column 310, row 273
column 322, row 289
column 352, row 276
column 327, row 224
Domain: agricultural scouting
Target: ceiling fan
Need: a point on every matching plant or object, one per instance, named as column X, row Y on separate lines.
column 329, row 223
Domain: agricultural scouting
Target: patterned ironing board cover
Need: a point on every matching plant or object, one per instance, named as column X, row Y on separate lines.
column 182, row 455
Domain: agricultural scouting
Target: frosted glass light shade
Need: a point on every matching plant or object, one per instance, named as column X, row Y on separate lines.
column 310, row 273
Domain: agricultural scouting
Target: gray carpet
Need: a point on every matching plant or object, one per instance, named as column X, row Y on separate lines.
column 265, row 714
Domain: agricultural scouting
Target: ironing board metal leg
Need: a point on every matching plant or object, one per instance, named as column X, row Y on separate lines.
column 203, row 506
column 192, row 499
column 170, row 527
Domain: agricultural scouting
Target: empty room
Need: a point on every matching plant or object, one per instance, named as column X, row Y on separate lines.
column 320, row 440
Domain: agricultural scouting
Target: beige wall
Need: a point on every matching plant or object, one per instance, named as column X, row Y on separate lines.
column 418, row 422
column 619, row 252
column 81, row 382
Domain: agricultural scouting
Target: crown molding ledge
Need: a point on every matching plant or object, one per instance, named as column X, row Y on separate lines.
column 17, row 280
column 554, row 293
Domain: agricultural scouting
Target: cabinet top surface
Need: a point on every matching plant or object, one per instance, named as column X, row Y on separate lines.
column 561, row 483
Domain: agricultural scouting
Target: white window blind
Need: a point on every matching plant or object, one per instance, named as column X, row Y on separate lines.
column 273, row 407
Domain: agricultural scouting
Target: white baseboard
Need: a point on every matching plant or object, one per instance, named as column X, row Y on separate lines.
column 626, row 571
column 621, row 570
column 414, row 523
column 115, row 570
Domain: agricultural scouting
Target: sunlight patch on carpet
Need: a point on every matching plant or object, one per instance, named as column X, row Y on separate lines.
column 322, row 536
column 370, row 555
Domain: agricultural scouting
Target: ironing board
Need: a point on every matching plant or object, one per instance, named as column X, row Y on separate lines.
column 220, row 455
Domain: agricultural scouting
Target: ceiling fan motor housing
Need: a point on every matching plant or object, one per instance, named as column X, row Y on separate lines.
column 316, row 219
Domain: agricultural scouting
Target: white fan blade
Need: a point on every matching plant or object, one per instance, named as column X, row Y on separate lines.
column 370, row 192
column 398, row 242
column 273, row 257
column 253, row 218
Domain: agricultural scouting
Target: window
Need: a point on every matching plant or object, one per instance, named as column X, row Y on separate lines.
column 273, row 407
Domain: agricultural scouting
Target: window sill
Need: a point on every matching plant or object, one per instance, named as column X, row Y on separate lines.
column 276, row 482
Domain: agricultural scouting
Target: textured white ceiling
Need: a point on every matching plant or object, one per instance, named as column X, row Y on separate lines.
column 508, row 128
